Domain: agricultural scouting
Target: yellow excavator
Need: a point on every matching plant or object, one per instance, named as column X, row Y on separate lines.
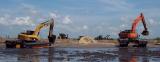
column 30, row 39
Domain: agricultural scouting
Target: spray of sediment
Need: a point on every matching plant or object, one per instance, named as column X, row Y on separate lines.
column 86, row 40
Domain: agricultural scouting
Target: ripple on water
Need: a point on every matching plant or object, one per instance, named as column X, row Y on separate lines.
column 80, row 54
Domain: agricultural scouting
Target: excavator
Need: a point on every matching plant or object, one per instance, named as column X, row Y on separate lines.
column 127, row 36
column 31, row 39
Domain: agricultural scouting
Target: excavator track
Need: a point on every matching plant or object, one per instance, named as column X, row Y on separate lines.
column 136, row 43
column 123, row 42
column 17, row 43
column 24, row 44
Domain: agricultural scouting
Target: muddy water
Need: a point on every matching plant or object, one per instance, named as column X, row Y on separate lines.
column 81, row 55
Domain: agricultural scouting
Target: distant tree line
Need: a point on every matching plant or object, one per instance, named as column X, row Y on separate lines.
column 158, row 39
column 101, row 37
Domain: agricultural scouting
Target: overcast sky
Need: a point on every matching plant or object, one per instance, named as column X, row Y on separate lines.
column 78, row 17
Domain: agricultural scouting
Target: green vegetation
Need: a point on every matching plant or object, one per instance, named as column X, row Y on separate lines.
column 158, row 39
column 101, row 37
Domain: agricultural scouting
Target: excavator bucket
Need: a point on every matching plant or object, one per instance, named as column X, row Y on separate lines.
column 145, row 32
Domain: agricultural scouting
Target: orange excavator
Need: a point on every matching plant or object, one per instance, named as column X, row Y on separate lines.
column 127, row 36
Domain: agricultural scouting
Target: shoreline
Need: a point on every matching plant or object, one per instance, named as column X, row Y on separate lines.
column 69, row 43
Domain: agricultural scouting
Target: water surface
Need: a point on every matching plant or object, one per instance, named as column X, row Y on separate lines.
column 113, row 54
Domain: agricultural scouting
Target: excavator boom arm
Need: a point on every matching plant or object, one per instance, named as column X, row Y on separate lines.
column 143, row 21
column 41, row 25
column 51, row 28
column 135, row 23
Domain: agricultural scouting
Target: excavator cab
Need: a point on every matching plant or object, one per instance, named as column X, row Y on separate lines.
column 28, row 36
column 29, row 32
column 123, row 34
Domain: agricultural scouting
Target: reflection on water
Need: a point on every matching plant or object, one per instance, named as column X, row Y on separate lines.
column 28, row 55
column 133, row 55
column 81, row 55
